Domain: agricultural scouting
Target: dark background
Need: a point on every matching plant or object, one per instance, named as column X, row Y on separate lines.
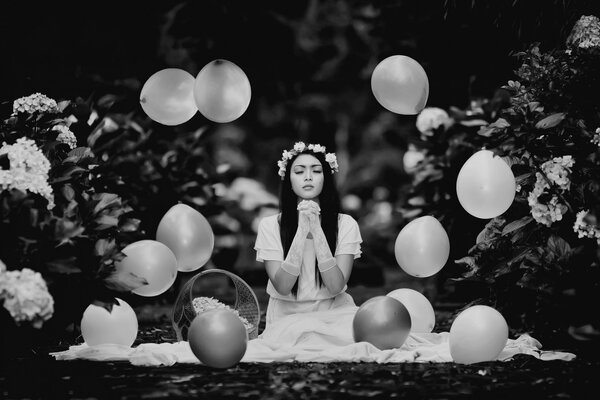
column 67, row 49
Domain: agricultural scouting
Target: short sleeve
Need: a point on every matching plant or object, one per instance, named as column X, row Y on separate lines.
column 349, row 238
column 268, row 243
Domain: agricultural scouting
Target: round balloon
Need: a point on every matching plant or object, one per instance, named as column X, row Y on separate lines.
column 120, row 326
column 422, row 247
column 478, row 334
column 420, row 309
column 382, row 321
column 400, row 84
column 222, row 91
column 188, row 234
column 218, row 338
column 485, row 185
column 154, row 262
column 168, row 96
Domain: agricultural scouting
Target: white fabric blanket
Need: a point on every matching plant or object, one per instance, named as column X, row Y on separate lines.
column 324, row 336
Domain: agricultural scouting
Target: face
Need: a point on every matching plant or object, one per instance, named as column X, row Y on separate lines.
column 306, row 176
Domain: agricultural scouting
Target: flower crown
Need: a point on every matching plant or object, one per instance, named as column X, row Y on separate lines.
column 300, row 147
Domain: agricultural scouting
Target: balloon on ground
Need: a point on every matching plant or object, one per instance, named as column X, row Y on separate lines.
column 120, row 326
column 189, row 236
column 485, row 185
column 222, row 91
column 478, row 334
column 400, row 84
column 218, row 338
column 168, row 96
column 152, row 261
column 382, row 321
column 420, row 309
column 422, row 247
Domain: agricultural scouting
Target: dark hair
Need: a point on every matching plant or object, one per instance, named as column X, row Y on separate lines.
column 329, row 201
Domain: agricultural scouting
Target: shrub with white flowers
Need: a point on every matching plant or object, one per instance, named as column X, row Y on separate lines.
column 545, row 127
column 55, row 222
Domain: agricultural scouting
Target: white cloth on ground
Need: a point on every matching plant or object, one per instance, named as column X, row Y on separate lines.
column 322, row 336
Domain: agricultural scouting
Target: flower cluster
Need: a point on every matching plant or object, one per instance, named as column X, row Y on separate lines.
column 26, row 296
column 36, row 102
column 596, row 139
column 202, row 304
column 555, row 172
column 65, row 136
column 301, row 147
column 586, row 33
column 586, row 225
column 432, row 118
column 28, row 169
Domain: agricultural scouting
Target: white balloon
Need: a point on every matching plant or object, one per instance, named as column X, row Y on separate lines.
column 120, row 326
column 152, row 261
column 485, row 185
column 422, row 247
column 420, row 309
column 400, row 84
column 168, row 96
column 222, row 91
column 478, row 334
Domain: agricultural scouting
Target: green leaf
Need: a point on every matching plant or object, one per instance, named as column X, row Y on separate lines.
column 550, row 121
column 559, row 246
column 106, row 221
column 104, row 246
column 77, row 154
column 499, row 125
column 105, row 200
column 515, row 225
column 64, row 266
column 124, row 281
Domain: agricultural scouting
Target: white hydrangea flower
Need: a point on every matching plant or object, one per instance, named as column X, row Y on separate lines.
column 585, row 225
column 36, row 102
column 596, row 139
column 557, row 173
column 546, row 214
column 28, row 169
column 585, row 33
column 558, row 169
column 65, row 136
column 26, row 296
column 431, row 118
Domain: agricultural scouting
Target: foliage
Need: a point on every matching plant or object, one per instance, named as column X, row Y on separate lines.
column 544, row 249
column 74, row 232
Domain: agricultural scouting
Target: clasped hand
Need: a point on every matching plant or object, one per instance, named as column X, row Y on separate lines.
column 308, row 216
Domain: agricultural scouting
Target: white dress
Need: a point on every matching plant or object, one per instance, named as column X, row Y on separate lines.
column 310, row 297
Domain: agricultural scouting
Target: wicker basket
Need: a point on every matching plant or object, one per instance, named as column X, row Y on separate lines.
column 223, row 286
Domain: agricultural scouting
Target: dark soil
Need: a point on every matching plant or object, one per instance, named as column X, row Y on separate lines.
column 40, row 376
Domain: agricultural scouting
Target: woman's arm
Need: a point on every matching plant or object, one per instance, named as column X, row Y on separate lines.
column 335, row 271
column 283, row 275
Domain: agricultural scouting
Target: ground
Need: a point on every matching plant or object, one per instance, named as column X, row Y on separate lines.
column 40, row 376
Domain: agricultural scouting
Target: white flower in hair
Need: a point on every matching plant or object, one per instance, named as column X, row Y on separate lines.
column 300, row 147
column 317, row 148
column 332, row 161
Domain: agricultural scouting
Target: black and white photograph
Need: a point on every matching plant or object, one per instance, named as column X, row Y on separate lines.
column 309, row 199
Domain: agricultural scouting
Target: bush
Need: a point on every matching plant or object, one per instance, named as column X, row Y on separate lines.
column 538, row 260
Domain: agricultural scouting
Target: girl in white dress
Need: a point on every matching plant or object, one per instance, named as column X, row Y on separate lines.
column 309, row 247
